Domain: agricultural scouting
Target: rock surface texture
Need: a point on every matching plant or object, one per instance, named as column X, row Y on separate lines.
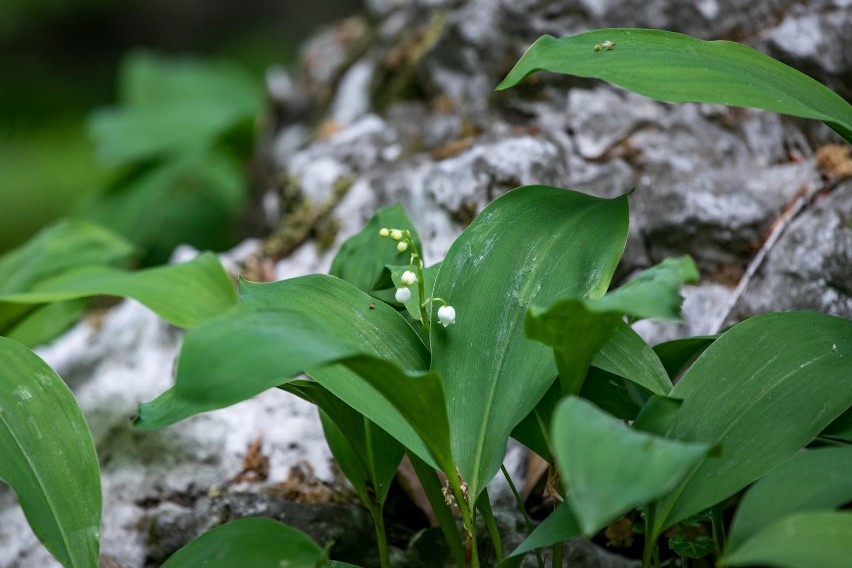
column 398, row 105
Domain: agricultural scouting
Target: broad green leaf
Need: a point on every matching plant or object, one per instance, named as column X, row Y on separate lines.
column 365, row 453
column 49, row 458
column 63, row 246
column 805, row 540
column 182, row 294
column 559, row 526
column 575, row 333
column 534, row 244
column 763, row 390
column 149, row 80
column 653, row 293
column 380, row 333
column 172, row 106
column 673, row 67
column 362, row 258
column 815, row 480
column 611, row 468
column 167, row 409
column 417, row 398
column 578, row 328
column 302, row 325
column 628, row 356
column 46, row 322
column 253, row 541
column 193, row 199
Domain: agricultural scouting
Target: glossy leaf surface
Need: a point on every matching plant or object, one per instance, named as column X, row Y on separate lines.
column 611, row 468
column 255, row 542
column 805, row 540
column 533, row 244
column 182, row 294
column 48, row 457
column 763, row 390
column 813, row 480
column 673, row 67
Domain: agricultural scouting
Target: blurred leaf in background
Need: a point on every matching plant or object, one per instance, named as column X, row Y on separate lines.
column 177, row 144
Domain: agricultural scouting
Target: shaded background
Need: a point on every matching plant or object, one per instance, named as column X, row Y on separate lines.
column 59, row 61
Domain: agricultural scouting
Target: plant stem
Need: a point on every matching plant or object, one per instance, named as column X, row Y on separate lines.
column 523, row 510
column 718, row 531
column 432, row 488
column 381, row 536
column 650, row 537
column 558, row 551
column 468, row 519
column 421, row 286
column 483, row 503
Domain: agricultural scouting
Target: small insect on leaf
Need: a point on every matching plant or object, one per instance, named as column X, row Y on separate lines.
column 372, row 306
column 605, row 46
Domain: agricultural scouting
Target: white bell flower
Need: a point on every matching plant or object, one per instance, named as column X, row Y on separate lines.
column 408, row 278
column 446, row 315
column 402, row 295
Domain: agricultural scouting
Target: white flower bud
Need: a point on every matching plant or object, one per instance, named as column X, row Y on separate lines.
column 408, row 278
column 402, row 295
column 396, row 234
column 446, row 315
column 384, row 232
column 401, row 246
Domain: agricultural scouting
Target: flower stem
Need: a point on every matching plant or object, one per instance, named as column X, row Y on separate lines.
column 523, row 510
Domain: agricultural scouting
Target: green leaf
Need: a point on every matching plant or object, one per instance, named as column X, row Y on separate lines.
column 302, row 325
column 611, row 468
column 365, row 453
column 673, row 67
column 578, row 328
column 49, row 458
column 613, row 382
column 193, row 199
column 814, row 480
column 172, row 106
column 183, row 294
column 559, row 526
column 255, row 542
column 533, row 244
column 627, row 355
column 46, row 322
column 763, row 390
column 804, row 540
column 362, row 258
column 63, row 246
column 653, row 293
column 697, row 546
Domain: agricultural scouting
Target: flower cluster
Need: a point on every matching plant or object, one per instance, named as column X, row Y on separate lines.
column 414, row 275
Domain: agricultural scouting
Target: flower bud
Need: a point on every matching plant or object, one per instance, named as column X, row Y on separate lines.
column 402, row 295
column 446, row 315
column 401, row 246
column 396, row 234
column 384, row 232
column 408, row 278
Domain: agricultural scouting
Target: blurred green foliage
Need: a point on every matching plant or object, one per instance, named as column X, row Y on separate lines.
column 177, row 146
